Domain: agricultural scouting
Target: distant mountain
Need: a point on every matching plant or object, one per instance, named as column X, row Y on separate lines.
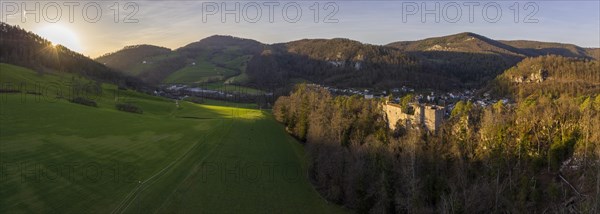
column 475, row 59
column 593, row 52
column 334, row 49
column 27, row 49
column 474, row 43
column 462, row 42
column 535, row 48
column 460, row 60
column 550, row 74
column 342, row 63
column 224, row 58
column 472, row 58
column 126, row 58
column 214, row 58
column 224, row 43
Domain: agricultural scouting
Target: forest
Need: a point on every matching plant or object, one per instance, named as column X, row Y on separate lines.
column 572, row 76
column 26, row 49
column 540, row 153
column 344, row 63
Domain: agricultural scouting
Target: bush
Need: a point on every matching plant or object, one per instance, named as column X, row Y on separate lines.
column 560, row 151
column 128, row 107
column 84, row 101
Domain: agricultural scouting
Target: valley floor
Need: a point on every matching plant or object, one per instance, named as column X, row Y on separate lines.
column 62, row 157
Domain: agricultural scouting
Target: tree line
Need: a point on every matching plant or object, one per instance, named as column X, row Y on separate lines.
column 27, row 49
column 565, row 75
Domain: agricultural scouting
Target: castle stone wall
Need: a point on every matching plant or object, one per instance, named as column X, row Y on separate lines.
column 430, row 117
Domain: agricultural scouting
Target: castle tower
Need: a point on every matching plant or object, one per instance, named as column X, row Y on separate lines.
column 434, row 115
column 428, row 117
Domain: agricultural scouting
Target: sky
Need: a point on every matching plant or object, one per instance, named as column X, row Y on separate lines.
column 94, row 28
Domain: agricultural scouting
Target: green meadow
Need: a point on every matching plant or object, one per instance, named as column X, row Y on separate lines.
column 202, row 71
column 208, row 68
column 221, row 86
column 61, row 157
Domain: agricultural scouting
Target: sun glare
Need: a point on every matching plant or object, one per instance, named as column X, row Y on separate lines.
column 60, row 35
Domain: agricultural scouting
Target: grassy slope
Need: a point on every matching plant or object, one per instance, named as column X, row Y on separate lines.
column 68, row 158
column 229, row 104
column 139, row 67
column 230, row 64
column 205, row 70
column 201, row 72
column 220, row 86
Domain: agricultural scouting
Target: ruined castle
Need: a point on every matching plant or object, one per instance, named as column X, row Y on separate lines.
column 429, row 117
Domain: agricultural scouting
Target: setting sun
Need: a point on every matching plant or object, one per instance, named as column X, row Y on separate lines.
column 60, row 35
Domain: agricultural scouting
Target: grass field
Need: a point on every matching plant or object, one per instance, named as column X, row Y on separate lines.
column 207, row 68
column 229, row 104
column 61, row 157
column 138, row 68
column 220, row 86
column 202, row 71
